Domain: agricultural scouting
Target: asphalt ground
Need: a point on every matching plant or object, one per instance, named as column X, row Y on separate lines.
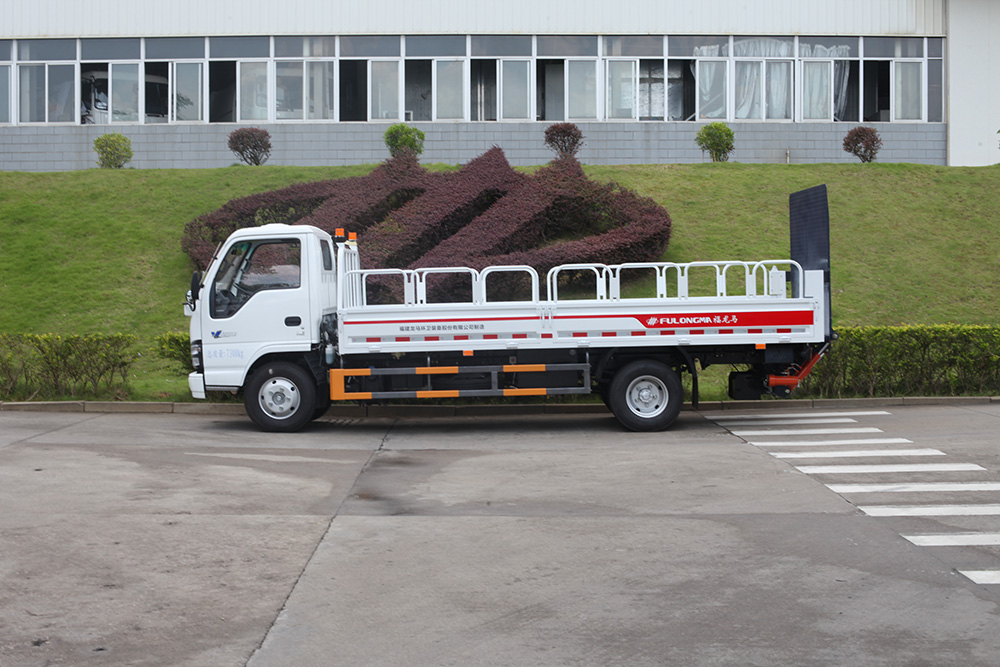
column 141, row 538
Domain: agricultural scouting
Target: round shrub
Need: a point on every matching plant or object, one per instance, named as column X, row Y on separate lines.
column 717, row 140
column 401, row 138
column 564, row 138
column 114, row 150
column 863, row 143
column 251, row 144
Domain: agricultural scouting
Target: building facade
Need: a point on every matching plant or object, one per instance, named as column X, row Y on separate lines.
column 640, row 77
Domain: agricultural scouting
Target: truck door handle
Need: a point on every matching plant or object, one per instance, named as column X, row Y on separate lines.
column 293, row 321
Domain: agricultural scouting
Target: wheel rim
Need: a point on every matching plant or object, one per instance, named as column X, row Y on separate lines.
column 646, row 396
column 279, row 398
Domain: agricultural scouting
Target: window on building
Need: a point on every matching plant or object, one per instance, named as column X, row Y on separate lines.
column 935, row 80
column 353, row 90
column 840, row 75
column 289, row 94
column 46, row 93
column 712, row 88
column 418, row 90
column 5, row 92
column 385, row 90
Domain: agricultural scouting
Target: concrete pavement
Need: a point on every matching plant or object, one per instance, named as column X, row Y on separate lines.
column 169, row 539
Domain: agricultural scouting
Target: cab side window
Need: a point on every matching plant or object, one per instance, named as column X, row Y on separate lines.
column 249, row 268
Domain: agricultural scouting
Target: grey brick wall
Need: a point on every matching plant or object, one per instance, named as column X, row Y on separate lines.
column 65, row 148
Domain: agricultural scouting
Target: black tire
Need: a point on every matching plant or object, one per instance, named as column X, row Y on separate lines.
column 646, row 395
column 280, row 397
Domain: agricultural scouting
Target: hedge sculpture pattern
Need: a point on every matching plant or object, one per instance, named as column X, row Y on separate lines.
column 483, row 214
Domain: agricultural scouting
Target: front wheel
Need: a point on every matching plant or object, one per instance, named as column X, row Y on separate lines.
column 646, row 395
column 280, row 396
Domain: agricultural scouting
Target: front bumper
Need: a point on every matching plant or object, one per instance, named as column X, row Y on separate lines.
column 196, row 382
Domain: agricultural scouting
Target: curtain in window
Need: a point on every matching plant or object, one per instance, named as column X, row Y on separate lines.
column 908, row 91
column 779, row 90
column 841, row 74
column 816, row 90
column 749, row 73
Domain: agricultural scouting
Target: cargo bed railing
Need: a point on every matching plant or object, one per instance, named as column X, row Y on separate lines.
column 773, row 278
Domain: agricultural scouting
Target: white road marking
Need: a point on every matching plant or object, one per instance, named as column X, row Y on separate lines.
column 791, row 422
column 810, row 431
column 930, row 510
column 821, row 443
column 921, row 487
column 857, row 453
column 956, row 540
column 782, row 415
column 889, row 467
column 982, row 576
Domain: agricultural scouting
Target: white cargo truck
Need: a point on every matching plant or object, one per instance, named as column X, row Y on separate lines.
column 285, row 315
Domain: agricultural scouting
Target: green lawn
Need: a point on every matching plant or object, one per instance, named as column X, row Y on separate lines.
column 98, row 251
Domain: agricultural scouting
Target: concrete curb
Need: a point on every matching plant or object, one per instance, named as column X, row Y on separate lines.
column 385, row 411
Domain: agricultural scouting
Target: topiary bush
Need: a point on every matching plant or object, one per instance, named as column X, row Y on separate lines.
column 717, row 140
column 401, row 138
column 863, row 143
column 114, row 150
column 252, row 145
column 483, row 214
column 565, row 139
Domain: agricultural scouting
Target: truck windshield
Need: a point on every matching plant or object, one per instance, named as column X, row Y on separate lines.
column 249, row 268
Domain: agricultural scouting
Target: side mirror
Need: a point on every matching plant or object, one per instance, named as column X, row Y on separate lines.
column 195, row 286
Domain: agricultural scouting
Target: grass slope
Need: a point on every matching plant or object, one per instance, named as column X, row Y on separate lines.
column 98, row 251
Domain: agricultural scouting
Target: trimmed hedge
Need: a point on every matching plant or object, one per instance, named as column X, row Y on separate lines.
column 938, row 360
column 51, row 365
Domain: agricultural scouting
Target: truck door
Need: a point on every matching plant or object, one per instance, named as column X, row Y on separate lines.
column 257, row 299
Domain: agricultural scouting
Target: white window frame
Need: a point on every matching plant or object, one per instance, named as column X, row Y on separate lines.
column 598, row 98
column 799, row 113
column 727, row 112
column 10, row 93
column 607, row 89
column 528, row 92
column 75, row 98
column 203, row 84
column 268, row 86
column 435, row 90
column 893, row 97
column 400, row 90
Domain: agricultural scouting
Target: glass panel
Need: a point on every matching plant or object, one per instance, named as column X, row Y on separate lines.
column 644, row 45
column 253, row 91
column 435, row 45
column 110, row 49
column 621, row 89
column 712, row 89
column 46, row 49
column 62, row 92
column 935, row 47
column 239, row 47
column 5, row 49
column 515, row 89
column 187, row 92
column 577, row 45
column 5, row 94
column 124, row 93
column 779, row 90
column 501, row 45
column 31, row 79
column 165, row 48
column 294, row 47
column 894, row 47
column 651, row 90
column 909, row 95
column 582, row 89
column 320, row 84
column 450, row 79
column 828, row 47
column 816, row 90
column 935, row 91
column 748, row 86
column 783, row 47
column 360, row 47
column 692, row 45
column 385, row 90
column 288, row 89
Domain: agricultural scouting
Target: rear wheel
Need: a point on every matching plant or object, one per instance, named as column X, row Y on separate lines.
column 280, row 396
column 646, row 395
